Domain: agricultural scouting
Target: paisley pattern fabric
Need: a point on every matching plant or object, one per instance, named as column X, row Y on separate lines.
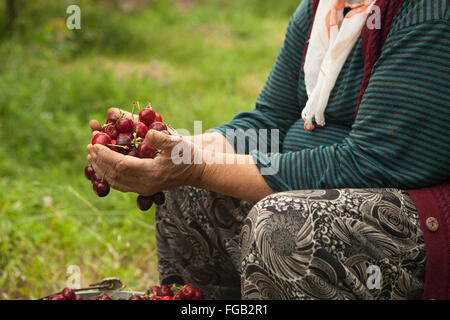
column 322, row 244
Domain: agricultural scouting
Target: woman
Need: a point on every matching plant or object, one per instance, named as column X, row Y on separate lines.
column 343, row 226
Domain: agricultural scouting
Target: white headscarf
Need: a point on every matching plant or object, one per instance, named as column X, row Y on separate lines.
column 332, row 38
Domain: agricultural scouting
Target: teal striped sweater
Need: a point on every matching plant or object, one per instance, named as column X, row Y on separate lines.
column 401, row 135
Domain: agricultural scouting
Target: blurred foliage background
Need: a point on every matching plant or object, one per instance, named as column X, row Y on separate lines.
column 193, row 59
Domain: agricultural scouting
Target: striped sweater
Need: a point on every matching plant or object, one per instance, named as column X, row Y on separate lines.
column 400, row 137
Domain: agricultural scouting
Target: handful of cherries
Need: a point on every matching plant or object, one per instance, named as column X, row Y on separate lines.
column 123, row 135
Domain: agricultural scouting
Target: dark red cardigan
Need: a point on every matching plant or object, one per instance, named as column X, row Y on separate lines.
column 433, row 201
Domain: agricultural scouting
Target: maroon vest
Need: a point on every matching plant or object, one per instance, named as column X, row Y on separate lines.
column 432, row 203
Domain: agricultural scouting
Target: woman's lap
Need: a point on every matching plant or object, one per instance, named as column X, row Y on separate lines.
column 326, row 244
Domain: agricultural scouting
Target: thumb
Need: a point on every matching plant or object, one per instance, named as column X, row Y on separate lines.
column 161, row 141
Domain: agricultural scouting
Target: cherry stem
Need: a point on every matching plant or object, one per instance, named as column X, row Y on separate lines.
column 117, row 145
column 132, row 110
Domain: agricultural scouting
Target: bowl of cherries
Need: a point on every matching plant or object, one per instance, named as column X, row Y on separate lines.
column 126, row 136
column 163, row 292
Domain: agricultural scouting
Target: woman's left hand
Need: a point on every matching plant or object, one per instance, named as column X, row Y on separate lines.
column 149, row 176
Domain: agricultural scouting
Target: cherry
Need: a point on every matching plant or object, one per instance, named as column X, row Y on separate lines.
column 166, row 298
column 113, row 146
column 146, row 151
column 140, row 129
column 133, row 153
column 68, row 294
column 147, row 116
column 135, row 297
column 158, row 117
column 166, row 291
column 124, row 125
column 57, row 297
column 112, row 119
column 159, row 198
column 124, row 139
column 155, row 290
column 111, row 131
column 95, row 177
column 198, row 294
column 101, row 188
column 103, row 296
column 158, row 126
column 89, row 172
column 101, row 138
column 144, row 203
column 187, row 293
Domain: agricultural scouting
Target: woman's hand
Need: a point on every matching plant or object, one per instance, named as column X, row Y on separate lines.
column 203, row 163
column 149, row 176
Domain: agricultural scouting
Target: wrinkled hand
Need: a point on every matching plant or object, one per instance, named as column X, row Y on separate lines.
column 148, row 176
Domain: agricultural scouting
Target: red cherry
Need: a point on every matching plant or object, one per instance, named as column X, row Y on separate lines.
column 89, row 172
column 144, row 203
column 146, row 151
column 68, row 294
column 111, row 131
column 133, row 153
column 179, row 296
column 166, row 298
column 112, row 119
column 101, row 138
column 113, row 147
column 166, row 291
column 95, row 177
column 147, row 116
column 187, row 292
column 135, row 297
column 198, row 294
column 155, row 290
column 101, row 188
column 159, row 198
column 124, row 139
column 158, row 126
column 140, row 129
column 103, row 296
column 158, row 117
column 153, row 298
column 124, row 125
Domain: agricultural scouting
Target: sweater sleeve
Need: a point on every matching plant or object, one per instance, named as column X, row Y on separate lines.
column 401, row 134
column 278, row 104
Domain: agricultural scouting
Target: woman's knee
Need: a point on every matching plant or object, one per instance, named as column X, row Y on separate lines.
column 278, row 231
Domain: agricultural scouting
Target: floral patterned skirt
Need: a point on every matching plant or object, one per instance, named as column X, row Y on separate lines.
column 318, row 244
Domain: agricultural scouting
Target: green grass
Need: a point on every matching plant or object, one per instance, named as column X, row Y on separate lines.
column 194, row 60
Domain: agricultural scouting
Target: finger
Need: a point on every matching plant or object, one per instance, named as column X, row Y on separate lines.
column 162, row 141
column 126, row 114
column 95, row 125
column 121, row 172
column 95, row 132
column 103, row 159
